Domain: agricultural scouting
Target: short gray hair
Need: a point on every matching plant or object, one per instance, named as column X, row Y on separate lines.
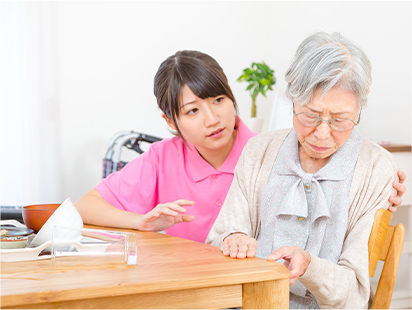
column 323, row 61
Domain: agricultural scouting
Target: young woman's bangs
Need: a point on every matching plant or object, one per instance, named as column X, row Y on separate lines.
column 206, row 85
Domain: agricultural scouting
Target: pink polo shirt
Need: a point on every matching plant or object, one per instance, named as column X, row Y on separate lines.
column 169, row 171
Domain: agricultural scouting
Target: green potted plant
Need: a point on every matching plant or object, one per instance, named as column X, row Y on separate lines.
column 260, row 79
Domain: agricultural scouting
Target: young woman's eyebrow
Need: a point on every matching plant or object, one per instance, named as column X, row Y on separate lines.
column 189, row 102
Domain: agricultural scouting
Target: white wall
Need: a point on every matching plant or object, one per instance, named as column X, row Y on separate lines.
column 30, row 158
column 108, row 53
column 383, row 29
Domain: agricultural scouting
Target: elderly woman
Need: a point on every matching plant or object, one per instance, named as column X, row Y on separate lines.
column 308, row 195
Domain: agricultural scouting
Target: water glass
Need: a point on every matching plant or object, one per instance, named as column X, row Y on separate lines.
column 83, row 247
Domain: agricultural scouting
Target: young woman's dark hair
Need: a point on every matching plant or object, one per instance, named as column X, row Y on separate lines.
column 200, row 72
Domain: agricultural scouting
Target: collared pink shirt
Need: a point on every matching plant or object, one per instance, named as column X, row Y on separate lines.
column 169, row 171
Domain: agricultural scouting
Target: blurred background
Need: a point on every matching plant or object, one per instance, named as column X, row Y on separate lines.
column 75, row 73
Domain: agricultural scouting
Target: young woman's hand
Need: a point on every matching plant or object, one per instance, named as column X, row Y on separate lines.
column 396, row 201
column 165, row 215
column 239, row 245
column 295, row 258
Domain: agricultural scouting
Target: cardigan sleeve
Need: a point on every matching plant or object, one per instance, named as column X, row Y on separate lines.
column 346, row 284
column 241, row 209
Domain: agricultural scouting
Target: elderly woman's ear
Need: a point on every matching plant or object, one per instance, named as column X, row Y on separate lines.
column 401, row 188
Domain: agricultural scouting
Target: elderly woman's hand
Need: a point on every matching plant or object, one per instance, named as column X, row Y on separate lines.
column 296, row 259
column 396, row 201
column 239, row 245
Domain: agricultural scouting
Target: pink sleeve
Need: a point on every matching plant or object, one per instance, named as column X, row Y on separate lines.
column 134, row 188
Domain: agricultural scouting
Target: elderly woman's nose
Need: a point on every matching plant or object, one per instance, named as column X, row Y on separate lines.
column 323, row 131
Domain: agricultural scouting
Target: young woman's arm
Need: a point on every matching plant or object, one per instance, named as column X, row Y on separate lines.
column 95, row 210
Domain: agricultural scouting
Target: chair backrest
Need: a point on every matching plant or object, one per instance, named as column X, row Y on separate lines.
column 385, row 244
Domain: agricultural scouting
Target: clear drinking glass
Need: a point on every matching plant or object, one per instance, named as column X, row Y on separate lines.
column 74, row 247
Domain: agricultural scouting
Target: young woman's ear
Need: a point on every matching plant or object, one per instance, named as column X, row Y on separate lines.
column 169, row 122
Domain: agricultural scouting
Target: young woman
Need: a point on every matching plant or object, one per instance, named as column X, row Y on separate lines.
column 185, row 178
column 192, row 171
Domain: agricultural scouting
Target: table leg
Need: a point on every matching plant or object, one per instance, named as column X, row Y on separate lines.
column 266, row 295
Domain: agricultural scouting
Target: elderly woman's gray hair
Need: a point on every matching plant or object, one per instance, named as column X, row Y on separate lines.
column 323, row 61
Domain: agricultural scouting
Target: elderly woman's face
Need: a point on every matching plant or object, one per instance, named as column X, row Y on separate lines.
column 321, row 141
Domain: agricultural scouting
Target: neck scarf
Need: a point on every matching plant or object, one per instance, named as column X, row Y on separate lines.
column 308, row 210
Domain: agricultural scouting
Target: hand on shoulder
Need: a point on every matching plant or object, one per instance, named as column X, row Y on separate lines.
column 400, row 188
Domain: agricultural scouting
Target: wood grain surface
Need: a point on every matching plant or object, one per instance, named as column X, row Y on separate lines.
column 170, row 273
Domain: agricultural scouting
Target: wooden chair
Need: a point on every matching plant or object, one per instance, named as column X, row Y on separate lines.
column 385, row 244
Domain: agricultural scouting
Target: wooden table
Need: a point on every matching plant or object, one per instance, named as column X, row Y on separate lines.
column 171, row 273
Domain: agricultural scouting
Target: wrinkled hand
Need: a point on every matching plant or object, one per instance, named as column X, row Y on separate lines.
column 396, row 201
column 296, row 260
column 166, row 215
column 239, row 246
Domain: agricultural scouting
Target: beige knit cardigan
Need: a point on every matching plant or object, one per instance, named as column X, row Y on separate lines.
column 342, row 285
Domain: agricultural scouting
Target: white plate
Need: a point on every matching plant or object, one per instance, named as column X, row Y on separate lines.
column 12, row 222
column 26, row 254
column 15, row 242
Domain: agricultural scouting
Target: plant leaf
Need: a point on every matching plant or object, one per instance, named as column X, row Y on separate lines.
column 255, row 92
column 260, row 78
